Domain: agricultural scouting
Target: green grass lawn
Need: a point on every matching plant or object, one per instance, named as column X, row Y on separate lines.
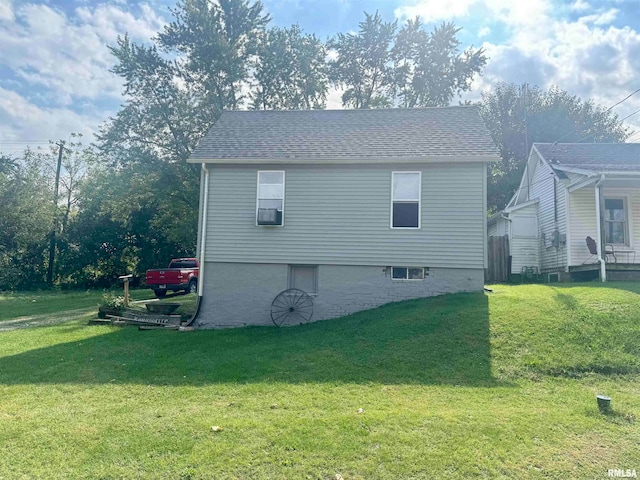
column 500, row 385
column 17, row 305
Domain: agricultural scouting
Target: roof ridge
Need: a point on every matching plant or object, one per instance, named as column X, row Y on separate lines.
column 359, row 110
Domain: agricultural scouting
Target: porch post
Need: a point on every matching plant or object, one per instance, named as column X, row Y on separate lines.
column 599, row 232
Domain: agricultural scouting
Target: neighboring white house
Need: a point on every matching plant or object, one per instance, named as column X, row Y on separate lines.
column 356, row 207
column 566, row 191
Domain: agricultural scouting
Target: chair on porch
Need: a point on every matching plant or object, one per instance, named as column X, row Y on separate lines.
column 593, row 250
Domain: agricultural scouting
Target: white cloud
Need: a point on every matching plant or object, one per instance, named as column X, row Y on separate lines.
column 580, row 6
column 432, row 10
column 6, row 10
column 588, row 57
column 511, row 12
column 584, row 59
column 56, row 66
column 484, row 32
column 603, row 18
column 68, row 57
column 22, row 122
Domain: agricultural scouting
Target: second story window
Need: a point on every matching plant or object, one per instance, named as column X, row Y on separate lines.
column 405, row 199
column 270, row 204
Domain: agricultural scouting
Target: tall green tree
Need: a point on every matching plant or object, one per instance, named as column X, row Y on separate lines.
column 378, row 67
column 519, row 115
column 122, row 226
column 217, row 40
column 362, row 65
column 26, row 221
column 290, row 71
column 429, row 70
column 175, row 89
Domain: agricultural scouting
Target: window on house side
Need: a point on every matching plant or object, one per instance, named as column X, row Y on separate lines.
column 615, row 221
column 405, row 199
column 270, row 204
column 304, row 277
column 407, row 273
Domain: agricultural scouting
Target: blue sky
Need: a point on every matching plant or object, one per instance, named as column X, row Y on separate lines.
column 54, row 61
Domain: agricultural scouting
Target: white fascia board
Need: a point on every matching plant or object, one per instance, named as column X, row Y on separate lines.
column 546, row 162
column 582, row 183
column 577, row 185
column 525, row 174
column 521, row 205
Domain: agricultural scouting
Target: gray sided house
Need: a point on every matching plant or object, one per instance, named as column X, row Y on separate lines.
column 356, row 207
column 568, row 192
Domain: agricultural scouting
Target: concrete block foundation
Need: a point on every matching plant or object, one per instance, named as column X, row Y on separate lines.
column 240, row 294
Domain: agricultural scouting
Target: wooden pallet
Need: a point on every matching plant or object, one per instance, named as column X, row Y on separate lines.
column 150, row 321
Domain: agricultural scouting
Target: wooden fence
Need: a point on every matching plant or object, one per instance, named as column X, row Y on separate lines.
column 499, row 262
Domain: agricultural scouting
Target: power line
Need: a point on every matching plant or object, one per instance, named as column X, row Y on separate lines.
column 631, row 115
column 23, row 143
column 607, row 110
column 623, row 100
column 622, row 120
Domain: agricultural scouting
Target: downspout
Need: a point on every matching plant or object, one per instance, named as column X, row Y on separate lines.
column 603, row 267
column 203, row 232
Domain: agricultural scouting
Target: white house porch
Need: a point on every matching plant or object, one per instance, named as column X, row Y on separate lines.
column 611, row 202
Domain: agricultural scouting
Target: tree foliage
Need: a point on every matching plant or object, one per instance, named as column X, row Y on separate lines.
column 362, row 65
column 176, row 89
column 26, row 201
column 517, row 116
column 382, row 67
column 428, row 68
column 217, row 41
column 290, row 71
column 130, row 202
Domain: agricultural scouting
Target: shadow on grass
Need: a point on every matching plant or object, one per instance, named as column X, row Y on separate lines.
column 442, row 340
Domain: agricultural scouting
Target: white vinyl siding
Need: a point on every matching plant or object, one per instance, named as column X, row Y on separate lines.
column 499, row 228
column 340, row 215
column 583, row 223
column 550, row 217
column 523, row 238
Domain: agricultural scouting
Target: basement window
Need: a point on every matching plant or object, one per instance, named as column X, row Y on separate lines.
column 407, row 273
column 304, row 277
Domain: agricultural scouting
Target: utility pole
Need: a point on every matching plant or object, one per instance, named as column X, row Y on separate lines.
column 52, row 241
column 526, row 137
column 524, row 112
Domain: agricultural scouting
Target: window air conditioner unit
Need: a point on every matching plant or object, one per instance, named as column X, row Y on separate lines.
column 269, row 216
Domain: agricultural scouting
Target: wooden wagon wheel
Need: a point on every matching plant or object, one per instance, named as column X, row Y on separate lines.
column 291, row 307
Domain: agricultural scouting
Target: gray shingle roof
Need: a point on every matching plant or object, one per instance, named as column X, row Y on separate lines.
column 596, row 157
column 343, row 135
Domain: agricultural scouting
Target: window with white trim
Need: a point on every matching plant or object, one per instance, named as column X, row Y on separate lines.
column 615, row 221
column 407, row 273
column 405, row 199
column 270, row 203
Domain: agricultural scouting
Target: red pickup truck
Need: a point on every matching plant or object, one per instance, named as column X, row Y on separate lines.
column 182, row 274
